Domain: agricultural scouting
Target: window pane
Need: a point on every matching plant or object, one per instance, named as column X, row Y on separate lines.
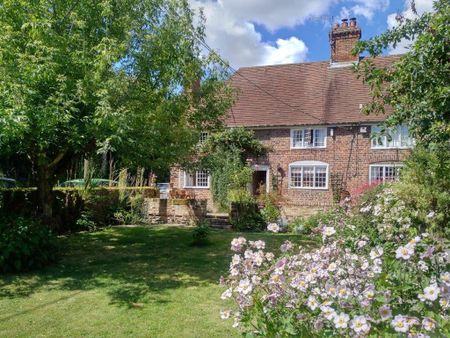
column 406, row 139
column 376, row 174
column 203, row 137
column 190, row 180
column 296, row 177
column 297, row 138
column 202, row 178
column 319, row 137
column 308, row 138
column 321, row 177
column 308, row 177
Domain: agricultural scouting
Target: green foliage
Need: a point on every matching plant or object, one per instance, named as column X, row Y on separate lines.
column 271, row 211
column 425, row 186
column 246, row 216
column 417, row 86
column 25, row 245
column 200, row 234
column 85, row 222
column 84, row 77
column 225, row 154
column 131, row 211
column 298, row 226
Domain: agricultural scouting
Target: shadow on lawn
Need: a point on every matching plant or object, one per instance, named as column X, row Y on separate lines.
column 132, row 265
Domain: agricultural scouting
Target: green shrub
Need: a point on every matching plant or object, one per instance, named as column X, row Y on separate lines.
column 298, row 226
column 246, row 216
column 201, row 233
column 271, row 211
column 85, row 222
column 25, row 244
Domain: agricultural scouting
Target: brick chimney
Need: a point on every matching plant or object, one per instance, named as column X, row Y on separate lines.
column 343, row 38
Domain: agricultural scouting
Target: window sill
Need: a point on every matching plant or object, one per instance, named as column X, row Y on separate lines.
column 309, row 188
column 195, row 187
column 390, row 148
column 308, row 148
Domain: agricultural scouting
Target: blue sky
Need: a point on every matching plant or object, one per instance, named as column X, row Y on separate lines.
column 260, row 32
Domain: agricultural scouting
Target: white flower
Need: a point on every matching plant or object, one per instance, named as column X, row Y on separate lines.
column 235, row 260
column 227, row 294
column 385, row 312
column 341, row 320
column 360, row 324
column 428, row 324
column 273, row 227
column 376, row 252
column 260, row 245
column 328, row 312
column 400, row 324
column 237, row 244
column 225, row 314
column 445, row 277
column 245, row 286
column 332, row 267
column 362, row 244
column 431, row 214
column 444, row 303
column 269, row 256
column 328, row 231
column 312, row 303
column 404, row 252
column 430, row 293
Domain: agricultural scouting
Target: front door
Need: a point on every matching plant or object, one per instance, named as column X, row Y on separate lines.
column 259, row 184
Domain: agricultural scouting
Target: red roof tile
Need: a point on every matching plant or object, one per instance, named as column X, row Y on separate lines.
column 311, row 93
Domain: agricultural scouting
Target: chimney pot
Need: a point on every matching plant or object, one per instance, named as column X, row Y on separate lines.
column 343, row 38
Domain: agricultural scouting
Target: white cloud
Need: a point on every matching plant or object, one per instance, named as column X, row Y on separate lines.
column 286, row 51
column 422, row 6
column 366, row 8
column 230, row 26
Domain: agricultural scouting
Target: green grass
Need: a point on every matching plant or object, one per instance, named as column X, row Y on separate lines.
column 139, row 282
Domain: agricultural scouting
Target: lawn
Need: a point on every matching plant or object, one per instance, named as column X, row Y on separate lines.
column 139, row 282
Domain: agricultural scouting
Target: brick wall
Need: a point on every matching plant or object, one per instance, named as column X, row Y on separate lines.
column 348, row 154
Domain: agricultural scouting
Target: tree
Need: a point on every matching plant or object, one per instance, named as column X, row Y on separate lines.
column 83, row 77
column 417, row 86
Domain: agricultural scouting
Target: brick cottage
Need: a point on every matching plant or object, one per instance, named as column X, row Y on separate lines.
column 309, row 115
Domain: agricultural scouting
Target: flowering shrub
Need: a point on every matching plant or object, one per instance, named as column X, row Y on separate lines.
column 385, row 276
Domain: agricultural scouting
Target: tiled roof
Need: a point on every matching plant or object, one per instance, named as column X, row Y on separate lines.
column 310, row 93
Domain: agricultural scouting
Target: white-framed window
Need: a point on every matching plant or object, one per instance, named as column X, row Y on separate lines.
column 196, row 179
column 304, row 138
column 396, row 138
column 203, row 137
column 308, row 175
column 384, row 172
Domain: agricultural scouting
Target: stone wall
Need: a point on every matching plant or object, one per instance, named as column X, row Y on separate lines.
column 174, row 211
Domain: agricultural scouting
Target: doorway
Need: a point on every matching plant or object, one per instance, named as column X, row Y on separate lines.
column 260, row 180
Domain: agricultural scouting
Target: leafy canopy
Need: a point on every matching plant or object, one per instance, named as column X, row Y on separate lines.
column 79, row 77
column 417, row 86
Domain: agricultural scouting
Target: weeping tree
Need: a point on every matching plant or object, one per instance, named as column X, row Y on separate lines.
column 84, row 77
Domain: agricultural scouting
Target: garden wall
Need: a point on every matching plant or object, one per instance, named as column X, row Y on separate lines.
column 174, row 211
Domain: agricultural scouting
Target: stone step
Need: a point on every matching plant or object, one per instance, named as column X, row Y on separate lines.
column 218, row 221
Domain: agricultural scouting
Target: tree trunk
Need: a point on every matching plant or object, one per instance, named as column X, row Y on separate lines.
column 45, row 195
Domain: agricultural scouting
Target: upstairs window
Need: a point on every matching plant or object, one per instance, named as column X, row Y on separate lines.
column 197, row 179
column 308, row 138
column 382, row 173
column 396, row 138
column 308, row 175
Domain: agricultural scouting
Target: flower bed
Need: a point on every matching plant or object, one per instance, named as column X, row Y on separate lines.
column 378, row 272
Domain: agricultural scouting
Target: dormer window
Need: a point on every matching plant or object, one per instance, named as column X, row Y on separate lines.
column 305, row 138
